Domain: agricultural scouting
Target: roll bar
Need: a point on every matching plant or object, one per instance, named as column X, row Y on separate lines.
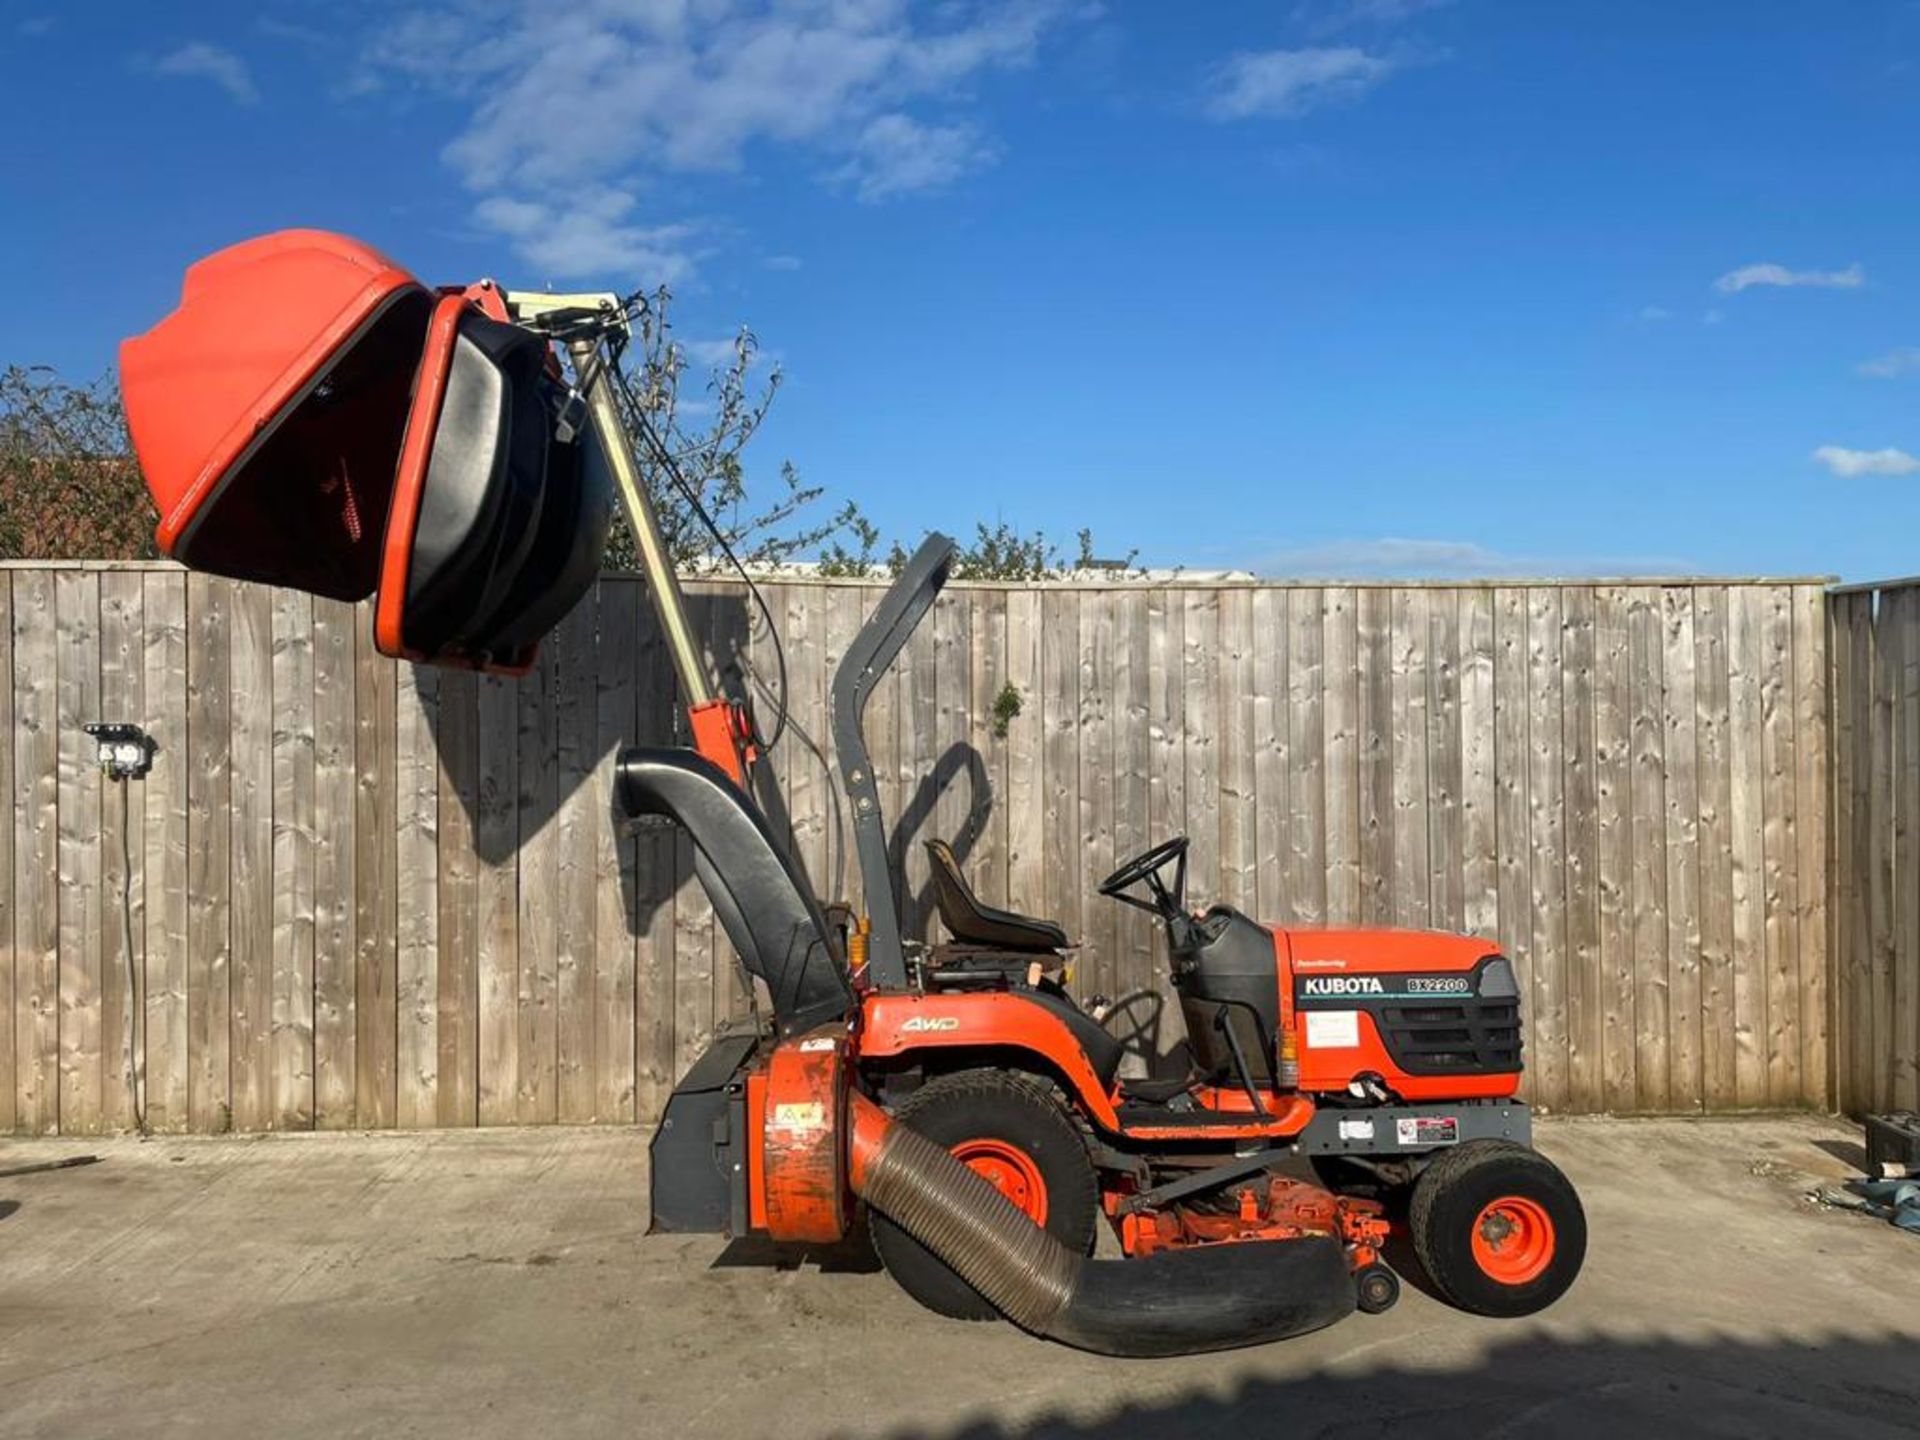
column 873, row 650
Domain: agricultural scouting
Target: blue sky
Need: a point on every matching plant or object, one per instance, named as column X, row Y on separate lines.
column 1308, row 287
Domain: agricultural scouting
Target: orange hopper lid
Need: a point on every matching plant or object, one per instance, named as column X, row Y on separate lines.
column 258, row 323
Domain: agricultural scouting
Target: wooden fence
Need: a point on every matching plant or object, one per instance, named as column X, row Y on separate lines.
column 1876, row 838
column 365, row 894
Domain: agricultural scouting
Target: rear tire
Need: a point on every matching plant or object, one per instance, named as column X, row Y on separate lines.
column 1014, row 1129
column 1498, row 1229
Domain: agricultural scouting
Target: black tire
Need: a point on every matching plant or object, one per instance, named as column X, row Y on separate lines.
column 1458, row 1189
column 1376, row 1289
column 1016, row 1110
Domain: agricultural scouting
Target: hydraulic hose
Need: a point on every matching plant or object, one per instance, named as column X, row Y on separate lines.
column 1174, row 1302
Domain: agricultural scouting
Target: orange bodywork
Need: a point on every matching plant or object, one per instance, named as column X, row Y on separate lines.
column 1284, row 1116
column 256, row 322
column 1277, row 1209
column 897, row 1023
column 799, row 1190
column 410, row 476
column 1380, row 952
column 893, row 1023
column 423, row 419
column 721, row 733
column 866, row 1127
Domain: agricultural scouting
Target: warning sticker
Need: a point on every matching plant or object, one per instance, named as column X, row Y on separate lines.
column 1427, row 1130
column 1333, row 1029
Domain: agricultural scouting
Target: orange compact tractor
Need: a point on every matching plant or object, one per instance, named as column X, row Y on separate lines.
column 311, row 415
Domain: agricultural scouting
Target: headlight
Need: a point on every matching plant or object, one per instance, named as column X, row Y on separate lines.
column 1497, row 980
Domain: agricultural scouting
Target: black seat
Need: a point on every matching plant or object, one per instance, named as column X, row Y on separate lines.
column 972, row 923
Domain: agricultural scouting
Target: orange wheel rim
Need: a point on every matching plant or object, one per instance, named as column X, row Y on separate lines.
column 1010, row 1170
column 1513, row 1240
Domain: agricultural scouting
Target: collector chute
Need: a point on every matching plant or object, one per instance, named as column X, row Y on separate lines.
column 311, row 415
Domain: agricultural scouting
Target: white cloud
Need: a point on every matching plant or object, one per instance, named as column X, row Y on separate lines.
column 584, row 91
column 590, row 233
column 200, row 60
column 1893, row 364
column 782, row 262
column 1448, row 560
column 1290, row 82
column 1653, row 314
column 1851, row 464
column 896, row 154
column 1749, row 276
column 606, row 92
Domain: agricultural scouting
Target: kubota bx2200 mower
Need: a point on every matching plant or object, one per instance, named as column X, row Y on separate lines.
column 312, row 415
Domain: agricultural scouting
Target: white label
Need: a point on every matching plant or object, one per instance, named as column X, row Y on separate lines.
column 1333, row 1029
column 1356, row 1129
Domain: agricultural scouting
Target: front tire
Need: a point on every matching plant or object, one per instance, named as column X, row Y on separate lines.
column 1498, row 1229
column 1011, row 1129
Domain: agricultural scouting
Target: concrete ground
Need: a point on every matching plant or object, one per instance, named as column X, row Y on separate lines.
column 498, row 1283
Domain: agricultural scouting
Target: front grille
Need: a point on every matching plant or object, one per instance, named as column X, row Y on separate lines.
column 1468, row 1037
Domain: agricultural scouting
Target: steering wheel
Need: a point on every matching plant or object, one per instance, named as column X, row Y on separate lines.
column 1147, row 866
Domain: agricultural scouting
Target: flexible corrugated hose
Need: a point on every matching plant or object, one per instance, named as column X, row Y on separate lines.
column 1175, row 1302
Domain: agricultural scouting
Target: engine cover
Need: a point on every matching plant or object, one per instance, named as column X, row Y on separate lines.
column 1430, row 1015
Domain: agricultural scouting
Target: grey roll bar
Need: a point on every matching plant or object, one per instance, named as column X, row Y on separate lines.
column 873, row 650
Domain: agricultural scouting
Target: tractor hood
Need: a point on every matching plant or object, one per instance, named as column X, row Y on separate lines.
column 1389, row 952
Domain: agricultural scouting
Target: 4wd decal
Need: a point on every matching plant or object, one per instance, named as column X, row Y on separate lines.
column 929, row 1024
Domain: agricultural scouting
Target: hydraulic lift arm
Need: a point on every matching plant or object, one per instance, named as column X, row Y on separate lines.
column 719, row 726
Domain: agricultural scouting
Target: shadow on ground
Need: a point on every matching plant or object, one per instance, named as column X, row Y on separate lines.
column 1541, row 1385
column 852, row 1254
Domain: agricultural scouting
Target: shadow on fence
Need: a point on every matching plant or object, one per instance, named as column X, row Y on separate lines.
column 958, row 764
column 520, row 752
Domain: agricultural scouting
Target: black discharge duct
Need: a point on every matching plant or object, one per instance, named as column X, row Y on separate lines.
column 1175, row 1302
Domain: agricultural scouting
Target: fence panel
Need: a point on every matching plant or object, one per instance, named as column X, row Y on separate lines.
column 1875, row 839
column 371, row 895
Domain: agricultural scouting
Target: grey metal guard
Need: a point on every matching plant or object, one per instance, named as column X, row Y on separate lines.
column 880, row 640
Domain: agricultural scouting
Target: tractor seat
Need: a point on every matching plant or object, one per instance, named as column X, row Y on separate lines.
column 972, row 923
